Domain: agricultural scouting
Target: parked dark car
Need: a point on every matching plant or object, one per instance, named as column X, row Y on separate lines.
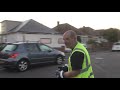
column 22, row 55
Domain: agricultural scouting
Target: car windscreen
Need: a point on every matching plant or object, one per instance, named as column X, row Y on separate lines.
column 117, row 44
column 10, row 47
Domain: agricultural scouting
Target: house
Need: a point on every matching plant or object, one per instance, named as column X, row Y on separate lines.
column 30, row 30
column 99, row 36
column 62, row 28
column 85, row 33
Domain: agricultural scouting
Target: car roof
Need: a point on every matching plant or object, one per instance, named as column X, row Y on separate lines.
column 116, row 42
column 26, row 43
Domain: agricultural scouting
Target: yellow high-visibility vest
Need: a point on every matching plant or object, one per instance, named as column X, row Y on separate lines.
column 86, row 71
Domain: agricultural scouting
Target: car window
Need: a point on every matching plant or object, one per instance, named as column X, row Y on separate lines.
column 45, row 48
column 10, row 47
column 20, row 48
column 117, row 44
column 32, row 48
column 2, row 46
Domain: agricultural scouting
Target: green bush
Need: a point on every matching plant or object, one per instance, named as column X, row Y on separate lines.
column 91, row 42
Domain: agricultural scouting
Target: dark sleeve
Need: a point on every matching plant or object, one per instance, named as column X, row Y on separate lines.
column 77, row 60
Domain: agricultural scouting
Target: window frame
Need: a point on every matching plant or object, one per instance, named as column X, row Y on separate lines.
column 59, row 41
column 51, row 49
column 46, row 38
column 27, row 44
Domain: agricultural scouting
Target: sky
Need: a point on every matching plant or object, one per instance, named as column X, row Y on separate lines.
column 95, row 20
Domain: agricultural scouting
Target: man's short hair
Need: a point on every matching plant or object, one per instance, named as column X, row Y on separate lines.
column 72, row 33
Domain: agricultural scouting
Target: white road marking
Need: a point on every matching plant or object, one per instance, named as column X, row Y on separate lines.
column 99, row 58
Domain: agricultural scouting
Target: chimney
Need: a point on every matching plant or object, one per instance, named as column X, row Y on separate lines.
column 58, row 23
column 83, row 26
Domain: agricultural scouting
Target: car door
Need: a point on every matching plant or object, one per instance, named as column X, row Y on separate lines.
column 33, row 52
column 47, row 52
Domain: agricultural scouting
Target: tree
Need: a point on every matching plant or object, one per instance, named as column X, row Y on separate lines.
column 90, row 41
column 111, row 34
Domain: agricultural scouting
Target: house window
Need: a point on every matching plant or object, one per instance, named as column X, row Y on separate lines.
column 60, row 41
column 45, row 40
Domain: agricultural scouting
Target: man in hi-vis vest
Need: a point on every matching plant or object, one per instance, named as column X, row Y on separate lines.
column 79, row 64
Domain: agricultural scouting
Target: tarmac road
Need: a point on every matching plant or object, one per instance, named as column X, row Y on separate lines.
column 105, row 64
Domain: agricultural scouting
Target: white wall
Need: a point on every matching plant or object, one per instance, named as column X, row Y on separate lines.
column 19, row 37
column 14, row 37
column 36, row 37
column 11, row 37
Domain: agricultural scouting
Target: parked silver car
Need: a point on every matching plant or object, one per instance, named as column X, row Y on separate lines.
column 116, row 46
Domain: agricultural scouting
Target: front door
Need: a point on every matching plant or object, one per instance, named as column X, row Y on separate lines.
column 47, row 53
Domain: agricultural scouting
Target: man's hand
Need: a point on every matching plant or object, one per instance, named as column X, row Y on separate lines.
column 61, row 70
column 59, row 74
column 65, row 68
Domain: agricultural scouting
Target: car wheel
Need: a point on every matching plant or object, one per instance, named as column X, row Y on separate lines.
column 59, row 60
column 22, row 65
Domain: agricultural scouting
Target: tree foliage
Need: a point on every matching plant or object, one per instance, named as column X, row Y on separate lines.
column 90, row 41
column 111, row 34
